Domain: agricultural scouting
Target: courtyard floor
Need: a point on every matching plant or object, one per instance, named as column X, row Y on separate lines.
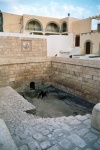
column 31, row 132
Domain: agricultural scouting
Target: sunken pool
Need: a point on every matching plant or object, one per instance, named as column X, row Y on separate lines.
column 52, row 102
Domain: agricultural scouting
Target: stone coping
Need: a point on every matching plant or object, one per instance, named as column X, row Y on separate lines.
column 7, row 61
column 6, row 141
column 75, row 61
column 72, row 61
column 22, row 35
column 11, row 101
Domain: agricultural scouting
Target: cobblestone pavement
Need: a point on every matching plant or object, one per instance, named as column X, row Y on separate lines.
column 34, row 133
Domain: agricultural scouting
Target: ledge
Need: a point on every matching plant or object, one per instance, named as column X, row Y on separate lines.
column 6, row 141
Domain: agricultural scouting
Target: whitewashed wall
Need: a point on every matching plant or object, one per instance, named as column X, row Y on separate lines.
column 59, row 44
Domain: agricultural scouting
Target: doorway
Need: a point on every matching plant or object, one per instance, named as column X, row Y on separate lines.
column 88, row 47
column 32, row 86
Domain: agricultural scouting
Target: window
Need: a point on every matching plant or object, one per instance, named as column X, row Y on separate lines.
column 77, row 40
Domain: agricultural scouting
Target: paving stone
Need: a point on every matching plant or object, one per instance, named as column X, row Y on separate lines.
column 97, row 146
column 83, row 131
column 55, row 147
column 91, row 137
column 69, row 119
column 38, row 137
column 81, row 126
column 33, row 145
column 87, row 122
column 45, row 132
column 65, row 144
column 41, row 130
column 67, row 128
column 45, row 144
column 57, row 131
column 75, row 122
column 88, row 149
column 60, row 134
column 81, row 118
column 98, row 141
column 49, row 135
column 53, row 140
column 24, row 147
column 50, row 128
column 95, row 131
column 77, row 140
column 76, row 148
column 18, row 141
column 89, row 116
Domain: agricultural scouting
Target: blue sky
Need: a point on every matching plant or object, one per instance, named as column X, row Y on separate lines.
column 53, row 8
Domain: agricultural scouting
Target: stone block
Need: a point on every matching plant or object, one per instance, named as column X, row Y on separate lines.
column 96, row 117
column 6, row 141
column 74, row 138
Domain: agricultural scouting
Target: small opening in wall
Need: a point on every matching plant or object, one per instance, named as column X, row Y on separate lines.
column 32, row 86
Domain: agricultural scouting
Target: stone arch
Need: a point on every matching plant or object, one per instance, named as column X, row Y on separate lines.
column 34, row 25
column 88, row 47
column 64, row 27
column 52, row 27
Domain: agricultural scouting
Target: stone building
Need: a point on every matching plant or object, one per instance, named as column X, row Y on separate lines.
column 84, row 40
column 24, row 55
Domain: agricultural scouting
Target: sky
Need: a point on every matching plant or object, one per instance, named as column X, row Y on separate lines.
column 52, row 8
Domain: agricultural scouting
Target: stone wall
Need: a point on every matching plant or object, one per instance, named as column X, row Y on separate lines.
column 20, row 75
column 12, row 48
column 78, row 77
column 19, row 66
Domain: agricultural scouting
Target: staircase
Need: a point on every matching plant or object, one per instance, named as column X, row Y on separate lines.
column 30, row 132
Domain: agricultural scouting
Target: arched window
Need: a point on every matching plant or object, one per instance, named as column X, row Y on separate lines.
column 34, row 25
column 64, row 27
column 52, row 27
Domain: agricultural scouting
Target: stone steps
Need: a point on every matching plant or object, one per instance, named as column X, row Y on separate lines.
column 33, row 132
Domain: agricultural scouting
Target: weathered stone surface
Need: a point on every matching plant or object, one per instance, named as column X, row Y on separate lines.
column 65, row 144
column 32, row 132
column 96, row 117
column 33, row 145
column 77, row 140
column 91, row 137
column 82, row 131
column 38, row 137
column 6, row 141
column 45, row 144
column 24, row 147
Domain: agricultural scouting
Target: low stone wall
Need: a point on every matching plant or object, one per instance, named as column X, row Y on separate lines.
column 19, row 75
column 78, row 77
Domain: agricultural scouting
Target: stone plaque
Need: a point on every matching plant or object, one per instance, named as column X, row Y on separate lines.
column 26, row 45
